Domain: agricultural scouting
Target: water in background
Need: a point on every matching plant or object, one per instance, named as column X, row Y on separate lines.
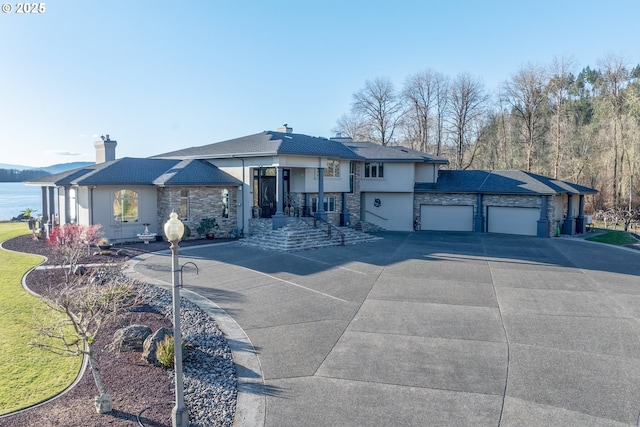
column 15, row 197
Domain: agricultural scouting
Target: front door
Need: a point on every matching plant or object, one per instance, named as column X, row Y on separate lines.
column 265, row 190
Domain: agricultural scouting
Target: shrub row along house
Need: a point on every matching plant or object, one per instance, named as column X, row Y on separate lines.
column 280, row 174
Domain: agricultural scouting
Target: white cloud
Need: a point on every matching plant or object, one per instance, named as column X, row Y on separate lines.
column 64, row 153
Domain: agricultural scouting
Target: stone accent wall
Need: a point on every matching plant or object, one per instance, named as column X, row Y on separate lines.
column 551, row 211
column 354, row 199
column 453, row 199
column 203, row 202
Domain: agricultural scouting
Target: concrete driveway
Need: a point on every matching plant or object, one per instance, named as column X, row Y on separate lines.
column 429, row 329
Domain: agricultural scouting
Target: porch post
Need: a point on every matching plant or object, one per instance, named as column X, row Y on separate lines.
column 543, row 222
column 45, row 207
column 580, row 218
column 67, row 204
column 569, row 225
column 321, row 214
column 479, row 217
column 279, row 219
column 51, row 220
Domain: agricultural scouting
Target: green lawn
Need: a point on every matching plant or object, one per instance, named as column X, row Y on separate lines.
column 614, row 237
column 27, row 375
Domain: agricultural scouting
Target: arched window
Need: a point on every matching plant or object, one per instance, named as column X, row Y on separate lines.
column 125, row 206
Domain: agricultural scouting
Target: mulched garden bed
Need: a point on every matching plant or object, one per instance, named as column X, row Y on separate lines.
column 135, row 386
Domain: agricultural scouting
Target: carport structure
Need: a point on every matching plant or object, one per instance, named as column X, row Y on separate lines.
column 510, row 202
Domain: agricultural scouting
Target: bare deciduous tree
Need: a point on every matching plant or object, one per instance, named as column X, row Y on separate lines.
column 352, row 126
column 558, row 90
column 468, row 102
column 614, row 78
column 86, row 304
column 379, row 106
column 526, row 95
column 419, row 96
column 85, row 299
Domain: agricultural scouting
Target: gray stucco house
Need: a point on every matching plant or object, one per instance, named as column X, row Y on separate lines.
column 280, row 174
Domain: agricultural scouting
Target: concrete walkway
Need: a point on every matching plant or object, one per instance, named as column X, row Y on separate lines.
column 430, row 329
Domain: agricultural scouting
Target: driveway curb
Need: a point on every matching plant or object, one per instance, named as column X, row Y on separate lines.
column 251, row 400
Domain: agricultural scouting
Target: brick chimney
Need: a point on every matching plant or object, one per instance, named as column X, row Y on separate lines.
column 284, row 129
column 105, row 149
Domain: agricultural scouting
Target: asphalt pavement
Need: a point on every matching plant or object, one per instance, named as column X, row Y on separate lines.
column 425, row 329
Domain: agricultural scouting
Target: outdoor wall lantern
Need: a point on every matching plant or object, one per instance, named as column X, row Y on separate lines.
column 174, row 230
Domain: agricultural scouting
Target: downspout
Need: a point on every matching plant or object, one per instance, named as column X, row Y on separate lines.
column 243, row 202
column 91, row 205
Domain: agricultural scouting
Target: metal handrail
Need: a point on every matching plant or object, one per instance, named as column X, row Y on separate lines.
column 374, row 214
column 329, row 228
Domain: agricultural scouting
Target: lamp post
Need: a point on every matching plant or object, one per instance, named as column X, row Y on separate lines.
column 174, row 229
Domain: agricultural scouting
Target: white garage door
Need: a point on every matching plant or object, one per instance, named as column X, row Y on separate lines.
column 446, row 218
column 513, row 220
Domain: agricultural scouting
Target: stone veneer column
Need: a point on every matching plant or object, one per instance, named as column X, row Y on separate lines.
column 543, row 222
column 569, row 223
column 478, row 219
column 321, row 213
column 279, row 219
column 580, row 218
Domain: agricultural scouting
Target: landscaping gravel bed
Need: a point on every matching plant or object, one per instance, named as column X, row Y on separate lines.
column 142, row 394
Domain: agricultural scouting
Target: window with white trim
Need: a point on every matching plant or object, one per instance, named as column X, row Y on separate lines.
column 333, row 169
column 329, row 204
column 185, row 205
column 125, row 206
column 374, row 170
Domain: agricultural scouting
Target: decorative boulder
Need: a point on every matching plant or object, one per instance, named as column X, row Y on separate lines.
column 131, row 338
column 151, row 345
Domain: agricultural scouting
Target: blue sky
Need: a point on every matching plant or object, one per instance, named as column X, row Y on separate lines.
column 163, row 75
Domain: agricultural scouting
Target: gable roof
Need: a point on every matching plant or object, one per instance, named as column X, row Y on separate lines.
column 267, row 143
column 500, row 182
column 136, row 171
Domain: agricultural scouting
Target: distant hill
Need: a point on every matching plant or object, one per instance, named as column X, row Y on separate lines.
column 16, row 173
column 62, row 167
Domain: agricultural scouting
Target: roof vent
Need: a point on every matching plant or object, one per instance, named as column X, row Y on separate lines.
column 284, row 129
column 341, row 138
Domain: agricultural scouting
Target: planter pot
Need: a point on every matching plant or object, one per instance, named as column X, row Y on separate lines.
column 104, row 247
column 209, row 236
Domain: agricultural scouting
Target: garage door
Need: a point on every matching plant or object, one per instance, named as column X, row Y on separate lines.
column 446, row 218
column 513, row 220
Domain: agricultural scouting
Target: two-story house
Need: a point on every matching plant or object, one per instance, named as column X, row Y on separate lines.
column 280, row 174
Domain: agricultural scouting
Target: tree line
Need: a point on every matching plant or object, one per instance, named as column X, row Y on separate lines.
column 577, row 125
column 15, row 175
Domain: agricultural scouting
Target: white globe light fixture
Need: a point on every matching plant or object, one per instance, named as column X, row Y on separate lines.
column 174, row 230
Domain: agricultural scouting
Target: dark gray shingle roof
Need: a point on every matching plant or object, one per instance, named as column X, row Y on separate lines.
column 265, row 144
column 500, row 182
column 135, row 171
column 395, row 153
column 195, row 172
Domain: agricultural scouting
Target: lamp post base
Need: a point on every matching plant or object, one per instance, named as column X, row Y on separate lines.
column 179, row 417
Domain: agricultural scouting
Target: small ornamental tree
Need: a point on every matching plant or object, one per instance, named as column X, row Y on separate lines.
column 87, row 304
column 69, row 242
